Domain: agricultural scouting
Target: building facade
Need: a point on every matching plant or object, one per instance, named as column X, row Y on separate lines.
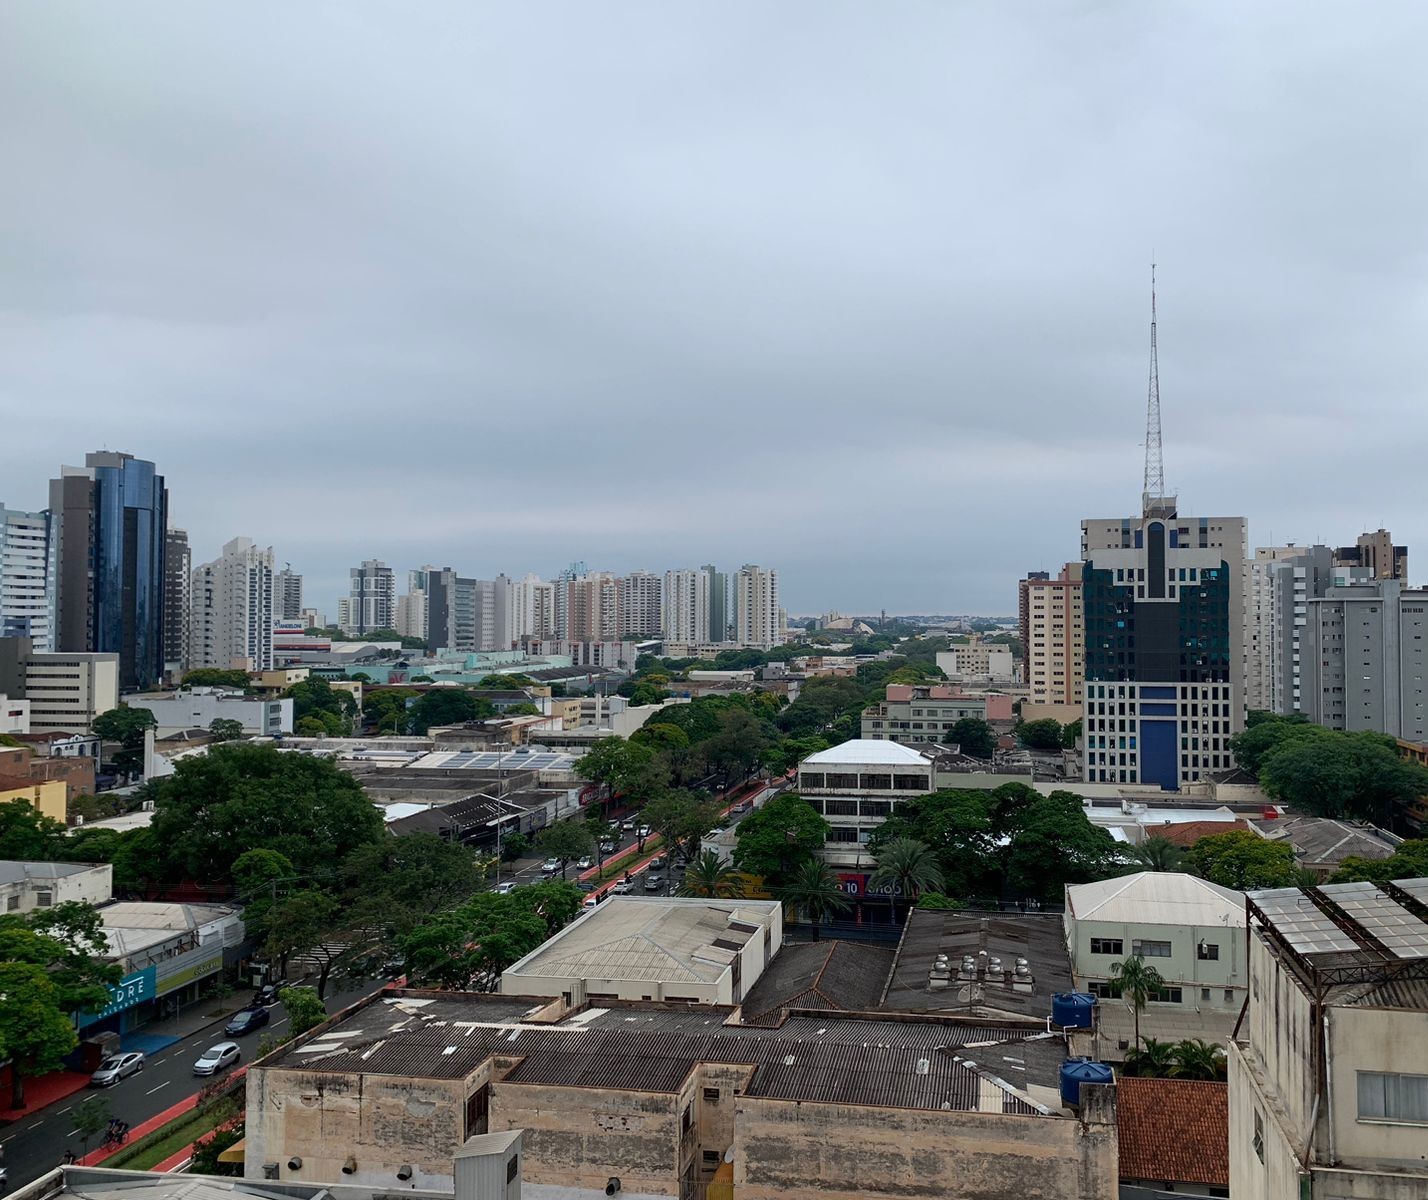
column 1377, row 555
column 916, row 713
column 533, row 608
column 856, row 786
column 1053, row 636
column 641, row 604
column 470, row 615
column 199, row 707
column 978, row 659
column 231, row 610
column 112, row 526
column 1163, row 608
column 287, row 594
column 1329, row 1068
column 685, row 607
column 178, row 579
column 593, row 610
column 65, row 691
column 721, row 606
column 371, row 598
column 1365, row 659
column 27, row 576
column 757, row 613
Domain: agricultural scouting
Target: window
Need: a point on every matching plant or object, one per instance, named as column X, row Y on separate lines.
column 1107, row 946
column 12, row 903
column 712, row 1157
column 685, row 1120
column 513, row 1168
column 1104, row 991
column 1170, row 995
column 1207, row 952
column 1259, row 1137
column 1391, row 1097
column 1150, row 949
column 711, row 1094
column 44, row 899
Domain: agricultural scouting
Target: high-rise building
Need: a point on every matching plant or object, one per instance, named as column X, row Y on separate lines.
column 411, row 614
column 640, row 603
column 287, row 594
column 1053, row 635
column 231, row 610
column 1377, row 554
column 756, row 607
column 721, row 606
column 178, row 572
column 593, row 609
column 373, row 598
column 27, row 576
column 468, row 615
column 533, row 608
column 574, row 571
column 686, row 606
column 112, row 516
column 1365, row 659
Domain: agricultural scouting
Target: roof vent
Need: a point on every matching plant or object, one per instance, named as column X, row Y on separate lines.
column 923, row 1066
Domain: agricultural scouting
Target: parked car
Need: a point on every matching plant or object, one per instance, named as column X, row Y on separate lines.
column 505, row 888
column 117, row 1067
column 590, row 901
column 584, row 862
column 623, row 888
column 246, row 1021
column 587, row 885
column 267, row 995
column 609, row 845
column 216, row 1058
column 743, row 806
column 628, row 824
column 659, row 863
column 654, row 883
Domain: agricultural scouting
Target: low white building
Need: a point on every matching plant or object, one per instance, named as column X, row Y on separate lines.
column 197, row 708
column 27, row 886
column 856, row 786
column 631, row 948
column 1190, row 930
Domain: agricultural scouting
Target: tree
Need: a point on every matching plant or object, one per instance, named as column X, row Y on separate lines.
column 90, row 1118
column 386, row 709
column 306, row 923
column 812, row 890
column 1408, row 861
column 126, row 726
column 394, row 883
column 1243, row 860
column 513, row 846
column 974, row 736
column 1041, row 735
column 448, row 706
column 735, row 751
column 566, row 841
column 243, row 796
column 775, row 839
column 659, row 736
column 1264, row 732
column 1157, row 853
column 955, row 824
column 27, row 835
column 1355, row 775
column 1195, row 1058
column 261, row 877
column 317, row 702
column 35, row 1030
column 215, row 677
column 1154, row 1060
column 1053, row 843
column 605, row 763
column 305, row 1008
column 1070, row 732
column 907, row 865
column 1136, row 983
column 710, row 875
column 681, row 819
column 225, row 729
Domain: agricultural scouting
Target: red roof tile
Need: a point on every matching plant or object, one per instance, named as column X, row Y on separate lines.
column 1187, row 833
column 1174, row 1130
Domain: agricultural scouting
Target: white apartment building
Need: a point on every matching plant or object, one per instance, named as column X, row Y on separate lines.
column 198, row 708
column 1190, row 930
column 1053, row 635
column 65, row 691
column 1329, row 1071
column 532, row 608
column 758, row 619
column 641, row 604
column 231, row 610
column 856, row 786
column 686, row 605
column 411, row 614
column 27, row 576
column 978, row 660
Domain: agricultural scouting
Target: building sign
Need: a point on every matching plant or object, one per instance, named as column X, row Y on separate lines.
column 129, row 991
column 855, row 884
column 209, row 965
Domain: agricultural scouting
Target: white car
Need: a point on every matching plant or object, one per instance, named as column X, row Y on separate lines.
column 623, row 888
column 590, row 902
column 550, row 866
column 643, row 831
column 216, row 1058
column 505, row 888
column 117, row 1067
column 585, row 863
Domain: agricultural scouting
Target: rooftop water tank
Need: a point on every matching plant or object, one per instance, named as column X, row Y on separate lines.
column 1072, row 1010
column 1075, row 1072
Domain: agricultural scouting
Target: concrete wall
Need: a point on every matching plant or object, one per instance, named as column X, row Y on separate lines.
column 91, row 886
column 1376, row 1039
column 786, row 1150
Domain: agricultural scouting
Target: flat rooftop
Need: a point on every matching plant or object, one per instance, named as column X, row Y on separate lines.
column 867, row 752
column 664, row 939
column 931, row 1065
column 16, row 871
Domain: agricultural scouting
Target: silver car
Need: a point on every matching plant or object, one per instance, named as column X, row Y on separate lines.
column 117, row 1067
column 216, row 1058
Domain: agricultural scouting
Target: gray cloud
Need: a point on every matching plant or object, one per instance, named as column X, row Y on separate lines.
column 856, row 290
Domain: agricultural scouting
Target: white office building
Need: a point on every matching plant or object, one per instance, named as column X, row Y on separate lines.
column 231, row 610
column 533, row 608
column 65, row 691
column 199, row 707
column 27, row 576
column 287, row 594
column 686, row 605
column 758, row 617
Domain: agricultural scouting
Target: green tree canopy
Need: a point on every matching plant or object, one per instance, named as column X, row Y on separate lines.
column 1408, row 861
column 906, row 865
column 1355, row 775
column 1243, row 860
column 778, row 836
column 317, row 705
column 1264, row 732
column 1041, row 735
column 385, row 709
column 214, row 677
column 27, row 835
column 566, row 841
column 126, row 726
column 811, row 889
column 681, row 818
column 35, row 1031
column 1054, row 843
column 974, row 736
column 1137, row 982
column 956, row 826
column 305, row 1008
column 241, row 796
column 448, row 706
column 711, row 876
column 225, row 729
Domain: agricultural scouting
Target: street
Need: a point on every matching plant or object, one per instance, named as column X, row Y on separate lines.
column 36, row 1143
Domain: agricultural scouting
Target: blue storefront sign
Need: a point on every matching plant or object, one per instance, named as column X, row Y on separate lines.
column 129, row 991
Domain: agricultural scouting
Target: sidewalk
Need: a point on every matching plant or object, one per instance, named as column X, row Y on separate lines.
column 40, row 1091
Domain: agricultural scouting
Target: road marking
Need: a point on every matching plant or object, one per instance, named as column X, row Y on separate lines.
column 72, row 1133
column 65, row 1110
column 165, row 1084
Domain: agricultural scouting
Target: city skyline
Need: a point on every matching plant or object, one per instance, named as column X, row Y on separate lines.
column 665, row 308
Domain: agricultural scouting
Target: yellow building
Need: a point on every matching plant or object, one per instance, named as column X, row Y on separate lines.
column 45, row 795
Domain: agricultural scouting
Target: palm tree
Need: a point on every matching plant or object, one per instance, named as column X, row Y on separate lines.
column 908, row 864
column 1155, row 1060
column 1136, row 982
column 812, row 890
column 1195, row 1058
column 710, row 875
column 1158, row 854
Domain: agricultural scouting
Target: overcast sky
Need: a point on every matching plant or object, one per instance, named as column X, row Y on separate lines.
column 857, row 290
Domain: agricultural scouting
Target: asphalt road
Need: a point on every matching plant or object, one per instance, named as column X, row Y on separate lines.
column 37, row 1143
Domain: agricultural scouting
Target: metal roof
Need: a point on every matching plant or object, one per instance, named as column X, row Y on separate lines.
column 867, row 752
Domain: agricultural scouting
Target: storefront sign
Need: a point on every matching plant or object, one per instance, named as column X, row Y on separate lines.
column 129, row 991
column 209, row 965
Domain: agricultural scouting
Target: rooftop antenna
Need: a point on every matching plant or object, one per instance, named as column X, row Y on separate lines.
column 1154, row 462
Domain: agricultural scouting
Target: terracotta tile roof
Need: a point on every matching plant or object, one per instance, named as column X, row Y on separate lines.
column 1174, row 1130
column 1187, row 833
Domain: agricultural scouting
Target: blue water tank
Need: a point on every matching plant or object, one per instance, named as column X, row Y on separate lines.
column 1072, row 1010
column 1075, row 1072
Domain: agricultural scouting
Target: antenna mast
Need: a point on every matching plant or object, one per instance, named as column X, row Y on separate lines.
column 1154, row 463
